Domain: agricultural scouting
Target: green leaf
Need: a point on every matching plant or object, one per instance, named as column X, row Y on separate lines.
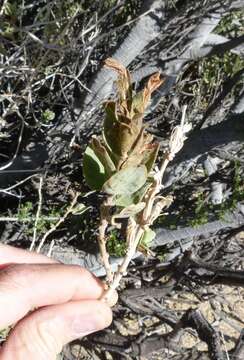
column 93, row 170
column 138, row 105
column 120, row 133
column 133, row 160
column 110, row 126
column 139, row 194
column 150, row 156
column 147, row 237
column 114, row 157
column 126, row 181
column 123, row 201
column 102, row 154
column 48, row 115
column 132, row 210
column 126, row 200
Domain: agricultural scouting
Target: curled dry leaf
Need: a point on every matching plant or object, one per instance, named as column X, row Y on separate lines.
column 116, row 66
column 153, row 83
column 124, row 80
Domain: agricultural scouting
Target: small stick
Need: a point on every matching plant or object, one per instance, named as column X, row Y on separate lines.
column 18, row 184
column 27, row 219
column 62, row 219
column 38, row 212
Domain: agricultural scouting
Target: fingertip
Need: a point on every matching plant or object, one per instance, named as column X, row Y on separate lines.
column 107, row 314
column 96, row 317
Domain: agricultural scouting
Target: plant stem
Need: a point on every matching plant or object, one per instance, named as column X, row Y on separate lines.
column 103, row 249
column 164, row 164
column 104, row 213
column 123, row 267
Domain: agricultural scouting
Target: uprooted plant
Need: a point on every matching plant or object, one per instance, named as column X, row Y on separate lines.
column 121, row 164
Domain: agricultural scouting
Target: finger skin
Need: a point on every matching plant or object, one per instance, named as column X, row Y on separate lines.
column 42, row 334
column 10, row 254
column 24, row 287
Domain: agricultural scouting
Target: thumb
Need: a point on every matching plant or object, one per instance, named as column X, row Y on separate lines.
column 42, row 334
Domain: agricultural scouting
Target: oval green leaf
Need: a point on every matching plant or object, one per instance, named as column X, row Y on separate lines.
column 93, row 170
column 147, row 237
column 126, row 181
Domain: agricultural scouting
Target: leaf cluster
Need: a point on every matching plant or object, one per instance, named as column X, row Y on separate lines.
column 120, row 161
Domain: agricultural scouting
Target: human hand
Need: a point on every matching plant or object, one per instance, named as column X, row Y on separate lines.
column 50, row 304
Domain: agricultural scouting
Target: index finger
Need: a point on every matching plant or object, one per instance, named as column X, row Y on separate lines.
column 24, row 287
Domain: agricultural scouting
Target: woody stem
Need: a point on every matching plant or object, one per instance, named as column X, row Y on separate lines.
column 102, row 241
column 126, row 261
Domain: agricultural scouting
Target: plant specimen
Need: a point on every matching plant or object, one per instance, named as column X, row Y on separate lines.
column 121, row 164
